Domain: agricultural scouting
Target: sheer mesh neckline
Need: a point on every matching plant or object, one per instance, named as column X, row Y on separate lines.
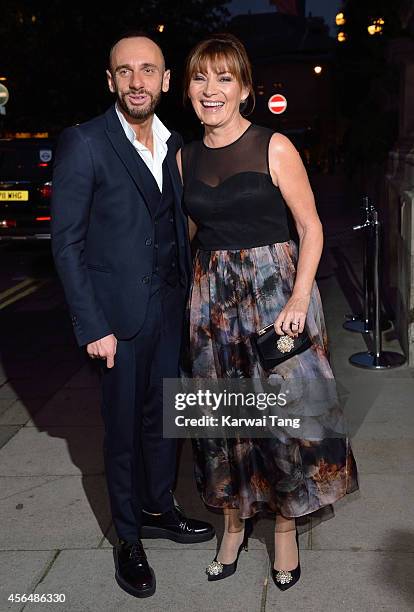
column 229, row 193
column 246, row 155
column 230, row 143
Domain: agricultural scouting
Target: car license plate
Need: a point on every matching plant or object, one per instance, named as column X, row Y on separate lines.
column 19, row 196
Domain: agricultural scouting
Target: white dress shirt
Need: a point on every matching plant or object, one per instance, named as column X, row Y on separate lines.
column 160, row 136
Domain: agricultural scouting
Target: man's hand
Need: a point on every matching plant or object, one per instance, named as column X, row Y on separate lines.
column 105, row 348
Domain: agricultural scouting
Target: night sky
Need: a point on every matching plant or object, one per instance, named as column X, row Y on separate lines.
column 324, row 8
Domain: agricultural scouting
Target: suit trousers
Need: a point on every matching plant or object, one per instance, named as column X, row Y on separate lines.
column 140, row 464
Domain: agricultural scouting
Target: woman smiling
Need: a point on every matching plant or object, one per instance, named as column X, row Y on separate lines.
column 239, row 181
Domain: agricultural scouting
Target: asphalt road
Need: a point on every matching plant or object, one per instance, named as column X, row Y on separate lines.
column 27, row 274
column 36, row 335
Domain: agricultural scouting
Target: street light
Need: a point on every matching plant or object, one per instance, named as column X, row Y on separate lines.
column 340, row 19
column 317, row 69
column 160, row 27
column 341, row 37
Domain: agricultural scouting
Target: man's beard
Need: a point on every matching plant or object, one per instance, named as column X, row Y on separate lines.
column 139, row 113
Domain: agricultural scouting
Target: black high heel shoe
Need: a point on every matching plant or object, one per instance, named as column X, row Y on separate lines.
column 284, row 579
column 217, row 570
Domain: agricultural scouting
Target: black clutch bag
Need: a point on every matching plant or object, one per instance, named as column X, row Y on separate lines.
column 273, row 349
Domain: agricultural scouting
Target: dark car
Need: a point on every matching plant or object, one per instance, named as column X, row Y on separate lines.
column 25, row 188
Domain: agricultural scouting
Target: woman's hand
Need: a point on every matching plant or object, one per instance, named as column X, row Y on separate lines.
column 289, row 174
column 291, row 319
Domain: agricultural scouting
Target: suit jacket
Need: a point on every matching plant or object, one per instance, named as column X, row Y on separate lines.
column 103, row 227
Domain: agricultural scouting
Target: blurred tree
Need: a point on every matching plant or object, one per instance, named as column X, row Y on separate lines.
column 367, row 82
column 54, row 53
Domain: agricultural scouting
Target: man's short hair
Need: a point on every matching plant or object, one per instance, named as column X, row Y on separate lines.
column 134, row 34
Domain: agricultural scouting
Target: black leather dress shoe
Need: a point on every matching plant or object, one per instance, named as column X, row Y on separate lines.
column 132, row 572
column 174, row 525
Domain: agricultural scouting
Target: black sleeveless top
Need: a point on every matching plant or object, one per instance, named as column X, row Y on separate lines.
column 230, row 196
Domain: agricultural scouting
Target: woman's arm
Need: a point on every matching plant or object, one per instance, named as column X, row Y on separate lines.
column 192, row 228
column 288, row 172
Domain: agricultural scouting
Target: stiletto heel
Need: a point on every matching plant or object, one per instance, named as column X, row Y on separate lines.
column 216, row 570
column 284, row 579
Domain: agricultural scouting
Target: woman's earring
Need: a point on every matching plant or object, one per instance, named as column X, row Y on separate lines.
column 243, row 105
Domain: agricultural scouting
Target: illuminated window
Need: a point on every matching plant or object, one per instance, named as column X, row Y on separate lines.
column 376, row 27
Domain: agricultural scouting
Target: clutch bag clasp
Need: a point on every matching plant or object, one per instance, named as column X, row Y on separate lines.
column 264, row 329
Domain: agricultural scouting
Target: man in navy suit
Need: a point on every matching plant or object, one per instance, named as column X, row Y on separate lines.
column 120, row 245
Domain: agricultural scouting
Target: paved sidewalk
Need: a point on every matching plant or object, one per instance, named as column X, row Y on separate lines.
column 56, row 530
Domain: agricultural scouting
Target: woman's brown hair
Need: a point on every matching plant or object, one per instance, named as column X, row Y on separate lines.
column 223, row 52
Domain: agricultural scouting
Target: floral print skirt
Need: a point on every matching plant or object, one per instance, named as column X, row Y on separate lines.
column 233, row 295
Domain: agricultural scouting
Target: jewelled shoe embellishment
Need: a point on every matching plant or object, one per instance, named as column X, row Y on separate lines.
column 285, row 344
column 214, row 568
column 284, row 577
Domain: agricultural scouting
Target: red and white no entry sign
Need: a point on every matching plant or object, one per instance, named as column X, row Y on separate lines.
column 277, row 104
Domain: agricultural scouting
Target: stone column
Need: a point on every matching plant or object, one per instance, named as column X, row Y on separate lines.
column 398, row 206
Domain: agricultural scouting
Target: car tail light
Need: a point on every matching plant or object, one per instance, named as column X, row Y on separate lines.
column 42, row 165
column 42, row 218
column 7, row 223
column 46, row 190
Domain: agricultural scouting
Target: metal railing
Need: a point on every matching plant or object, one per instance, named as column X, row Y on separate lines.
column 371, row 321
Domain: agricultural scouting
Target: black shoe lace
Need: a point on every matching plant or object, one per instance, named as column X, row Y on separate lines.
column 136, row 552
column 182, row 520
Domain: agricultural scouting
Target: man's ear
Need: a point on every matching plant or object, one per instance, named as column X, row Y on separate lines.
column 111, row 83
column 166, row 81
